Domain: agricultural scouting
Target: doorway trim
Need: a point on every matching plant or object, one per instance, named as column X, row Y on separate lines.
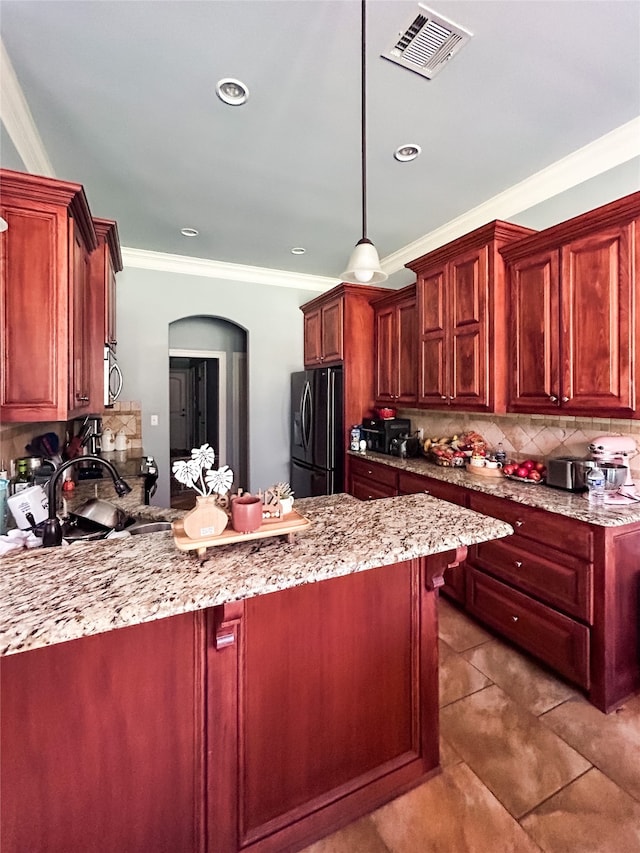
column 221, row 356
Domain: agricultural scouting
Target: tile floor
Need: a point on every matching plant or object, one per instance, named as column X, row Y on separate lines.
column 528, row 764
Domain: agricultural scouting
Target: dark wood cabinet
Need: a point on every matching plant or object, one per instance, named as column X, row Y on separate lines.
column 44, row 300
column 323, row 333
column 410, row 484
column 396, row 348
column 462, row 321
column 338, row 329
column 104, row 264
column 259, row 725
column 572, row 294
column 370, row 480
column 102, row 742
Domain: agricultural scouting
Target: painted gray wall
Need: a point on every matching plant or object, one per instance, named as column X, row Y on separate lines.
column 148, row 301
column 211, row 334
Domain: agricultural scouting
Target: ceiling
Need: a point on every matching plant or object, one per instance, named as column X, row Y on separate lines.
column 122, row 95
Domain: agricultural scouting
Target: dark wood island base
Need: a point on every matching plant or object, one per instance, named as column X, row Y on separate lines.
column 258, row 725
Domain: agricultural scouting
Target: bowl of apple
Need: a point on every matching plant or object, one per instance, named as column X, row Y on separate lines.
column 530, row 471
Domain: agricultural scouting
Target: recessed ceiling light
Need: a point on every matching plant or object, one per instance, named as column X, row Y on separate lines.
column 232, row 92
column 407, row 152
column 189, row 232
column 298, row 250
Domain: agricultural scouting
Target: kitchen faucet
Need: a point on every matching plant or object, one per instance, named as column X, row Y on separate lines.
column 52, row 531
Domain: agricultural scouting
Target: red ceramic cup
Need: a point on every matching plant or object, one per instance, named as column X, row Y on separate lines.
column 246, row 513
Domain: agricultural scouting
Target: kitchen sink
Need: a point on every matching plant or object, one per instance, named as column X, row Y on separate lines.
column 140, row 528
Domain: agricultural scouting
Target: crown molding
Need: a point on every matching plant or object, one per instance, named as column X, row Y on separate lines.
column 607, row 152
column 162, row 262
column 16, row 117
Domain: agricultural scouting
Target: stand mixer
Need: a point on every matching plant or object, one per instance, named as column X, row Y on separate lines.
column 618, row 450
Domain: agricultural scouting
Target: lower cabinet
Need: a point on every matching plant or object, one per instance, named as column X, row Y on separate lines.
column 410, row 484
column 260, row 725
column 371, row 480
column 565, row 591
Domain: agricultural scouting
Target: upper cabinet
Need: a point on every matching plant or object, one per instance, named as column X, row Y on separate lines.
column 323, row 333
column 462, row 321
column 396, row 346
column 572, row 295
column 104, row 263
column 44, row 299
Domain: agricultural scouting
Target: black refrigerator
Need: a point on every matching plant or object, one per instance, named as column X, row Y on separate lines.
column 317, row 434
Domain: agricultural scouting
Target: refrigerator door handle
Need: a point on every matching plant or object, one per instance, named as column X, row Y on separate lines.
column 307, row 415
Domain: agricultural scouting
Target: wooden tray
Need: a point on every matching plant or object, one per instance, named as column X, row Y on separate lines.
column 292, row 524
column 484, row 472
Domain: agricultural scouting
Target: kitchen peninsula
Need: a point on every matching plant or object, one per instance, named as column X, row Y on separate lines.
column 253, row 700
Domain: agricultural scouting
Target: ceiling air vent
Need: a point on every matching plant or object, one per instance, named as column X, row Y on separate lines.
column 428, row 43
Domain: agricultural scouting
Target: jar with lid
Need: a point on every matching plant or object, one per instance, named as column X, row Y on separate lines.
column 23, row 478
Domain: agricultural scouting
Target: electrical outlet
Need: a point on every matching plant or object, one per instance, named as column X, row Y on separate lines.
column 154, row 420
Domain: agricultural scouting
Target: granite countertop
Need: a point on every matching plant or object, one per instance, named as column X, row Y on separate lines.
column 536, row 495
column 57, row 594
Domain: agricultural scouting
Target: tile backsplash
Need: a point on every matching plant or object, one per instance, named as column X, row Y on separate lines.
column 526, row 436
column 15, row 437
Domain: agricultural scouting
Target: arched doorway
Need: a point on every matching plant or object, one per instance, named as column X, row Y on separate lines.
column 208, row 395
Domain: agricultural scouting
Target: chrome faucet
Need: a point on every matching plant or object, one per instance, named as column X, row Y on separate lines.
column 52, row 531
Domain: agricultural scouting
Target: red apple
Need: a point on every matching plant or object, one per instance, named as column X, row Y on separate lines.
column 528, row 463
column 523, row 472
column 539, row 466
column 535, row 476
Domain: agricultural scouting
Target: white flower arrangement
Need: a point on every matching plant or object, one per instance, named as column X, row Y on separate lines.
column 197, row 473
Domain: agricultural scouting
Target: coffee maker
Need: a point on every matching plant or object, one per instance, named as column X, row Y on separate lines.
column 89, row 431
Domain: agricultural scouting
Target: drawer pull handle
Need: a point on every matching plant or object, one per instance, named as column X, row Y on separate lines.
column 519, row 523
column 518, row 564
column 515, row 618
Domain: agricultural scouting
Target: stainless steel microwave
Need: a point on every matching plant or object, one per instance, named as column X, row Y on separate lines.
column 112, row 377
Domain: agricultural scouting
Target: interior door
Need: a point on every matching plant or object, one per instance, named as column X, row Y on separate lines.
column 180, row 415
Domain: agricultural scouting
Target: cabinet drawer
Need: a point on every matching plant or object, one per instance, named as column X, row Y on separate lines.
column 384, row 474
column 411, row 484
column 573, row 537
column 556, row 639
column 369, row 490
column 558, row 579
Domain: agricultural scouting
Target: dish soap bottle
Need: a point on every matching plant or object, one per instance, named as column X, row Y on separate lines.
column 595, row 484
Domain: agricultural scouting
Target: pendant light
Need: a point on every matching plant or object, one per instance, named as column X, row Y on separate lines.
column 364, row 264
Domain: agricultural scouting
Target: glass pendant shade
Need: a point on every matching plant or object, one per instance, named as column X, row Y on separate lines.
column 364, row 265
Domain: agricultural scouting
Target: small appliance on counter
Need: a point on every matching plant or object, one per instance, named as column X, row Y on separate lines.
column 149, row 470
column 405, row 446
column 568, row 472
column 379, row 432
column 89, row 436
column 612, row 454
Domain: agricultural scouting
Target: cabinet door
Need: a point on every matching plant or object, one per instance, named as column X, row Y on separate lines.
column 432, row 306
column 534, row 332
column 35, row 317
column 597, row 332
column 312, row 338
column 386, row 385
column 79, row 340
column 332, row 349
column 467, row 348
column 407, row 346
column 102, row 745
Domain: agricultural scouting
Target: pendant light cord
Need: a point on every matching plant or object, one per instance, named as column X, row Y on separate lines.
column 364, row 120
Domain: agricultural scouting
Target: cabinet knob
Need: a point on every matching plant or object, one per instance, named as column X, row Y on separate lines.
column 518, row 564
column 451, row 397
column 565, row 399
column 113, row 342
column 553, row 398
column 519, row 523
column 443, row 397
column 427, row 492
column 81, row 398
column 515, row 618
